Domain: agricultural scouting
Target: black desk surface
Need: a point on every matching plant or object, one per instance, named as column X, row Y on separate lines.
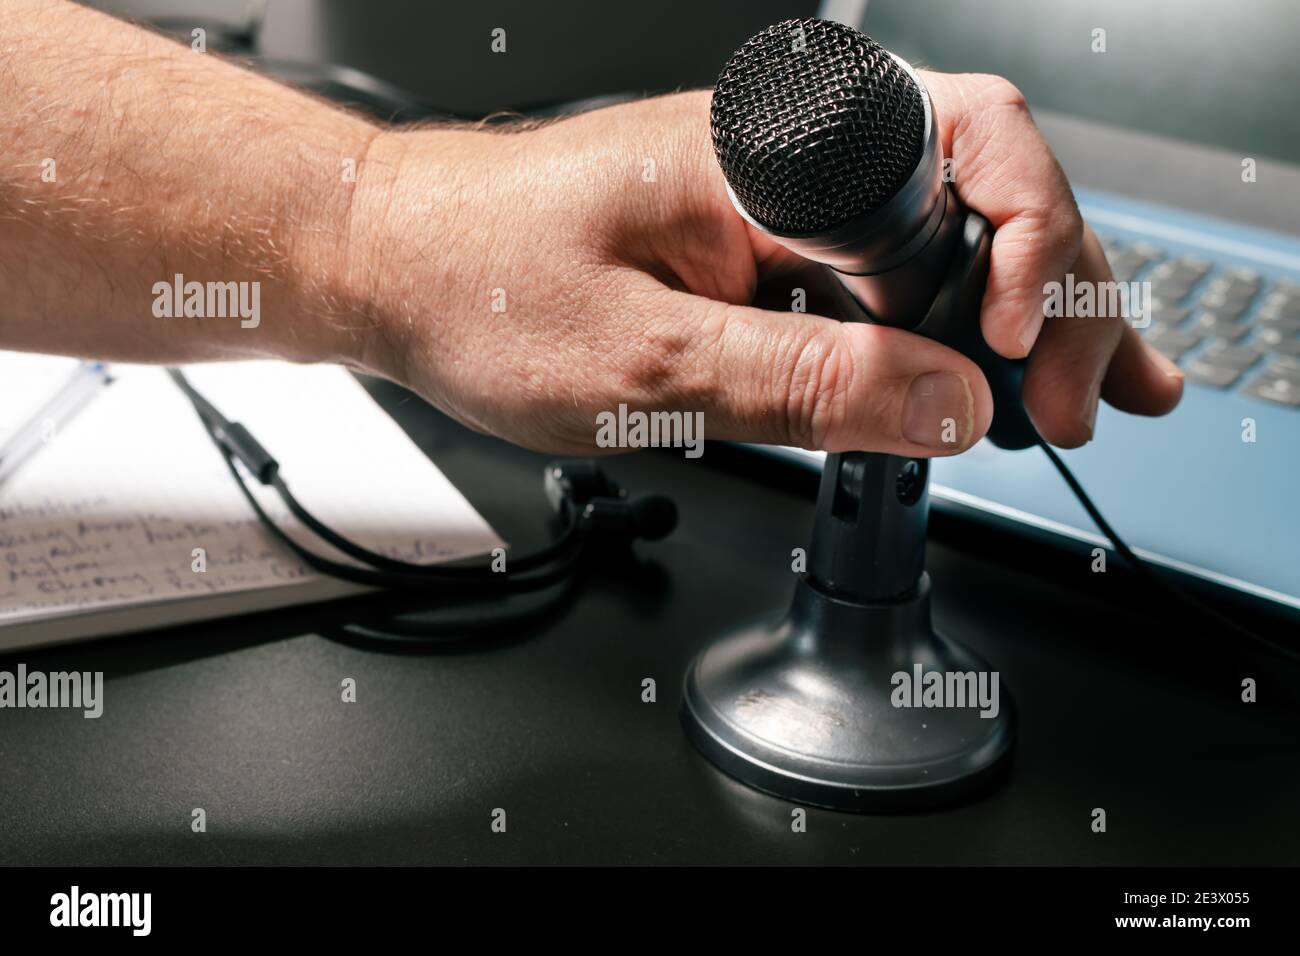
column 1118, row 707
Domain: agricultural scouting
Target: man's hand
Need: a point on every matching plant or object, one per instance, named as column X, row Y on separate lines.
column 524, row 281
column 622, row 274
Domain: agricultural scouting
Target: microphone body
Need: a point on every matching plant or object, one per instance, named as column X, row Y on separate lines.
column 892, row 258
column 896, row 255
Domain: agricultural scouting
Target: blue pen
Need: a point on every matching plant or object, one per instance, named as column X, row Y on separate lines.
column 86, row 382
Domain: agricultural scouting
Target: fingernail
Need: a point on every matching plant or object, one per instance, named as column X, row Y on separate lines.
column 1163, row 362
column 939, row 411
column 1029, row 334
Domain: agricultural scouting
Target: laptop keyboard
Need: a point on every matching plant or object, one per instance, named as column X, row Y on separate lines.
column 1228, row 327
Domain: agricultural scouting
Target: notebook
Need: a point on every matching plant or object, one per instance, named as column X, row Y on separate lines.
column 128, row 519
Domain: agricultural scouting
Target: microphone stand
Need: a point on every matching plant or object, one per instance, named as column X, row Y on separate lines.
column 805, row 708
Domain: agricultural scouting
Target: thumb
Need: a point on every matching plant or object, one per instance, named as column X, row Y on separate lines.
column 795, row 379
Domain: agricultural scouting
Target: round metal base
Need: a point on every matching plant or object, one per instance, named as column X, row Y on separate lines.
column 815, row 709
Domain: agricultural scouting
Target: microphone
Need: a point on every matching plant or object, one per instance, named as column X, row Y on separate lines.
column 830, row 145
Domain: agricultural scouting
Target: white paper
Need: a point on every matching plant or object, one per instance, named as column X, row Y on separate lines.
column 116, row 511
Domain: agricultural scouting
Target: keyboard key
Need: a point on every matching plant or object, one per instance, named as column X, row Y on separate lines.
column 1126, row 265
column 1280, row 301
column 1228, row 356
column 1272, row 318
column 1167, row 288
column 1268, row 335
column 1287, row 288
column 1284, row 368
column 1221, row 323
column 1210, row 300
column 1220, row 314
column 1280, row 305
column 1169, row 269
column 1192, row 266
column 1244, row 274
column 1172, row 343
column 1158, row 328
column 1148, row 251
column 1220, row 364
column 1225, row 298
column 1278, row 325
column 1286, row 347
column 1236, row 282
column 1275, row 388
column 1167, row 314
column 1216, row 376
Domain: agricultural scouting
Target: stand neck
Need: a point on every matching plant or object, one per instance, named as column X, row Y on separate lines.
column 868, row 542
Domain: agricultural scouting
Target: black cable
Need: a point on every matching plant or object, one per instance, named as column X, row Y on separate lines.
column 385, row 563
column 1149, row 573
column 506, row 582
column 399, row 626
column 556, row 564
column 530, row 573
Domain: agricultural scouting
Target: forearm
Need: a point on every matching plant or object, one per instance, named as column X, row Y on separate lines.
column 127, row 159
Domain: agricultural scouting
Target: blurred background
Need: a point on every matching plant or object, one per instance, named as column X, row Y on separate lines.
column 1195, row 69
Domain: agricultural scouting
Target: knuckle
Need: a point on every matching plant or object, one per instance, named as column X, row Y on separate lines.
column 1065, row 227
column 661, row 366
column 999, row 91
column 1048, row 237
column 652, row 368
column 820, row 373
column 990, row 104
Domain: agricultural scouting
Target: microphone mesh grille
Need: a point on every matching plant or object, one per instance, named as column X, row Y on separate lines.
column 815, row 124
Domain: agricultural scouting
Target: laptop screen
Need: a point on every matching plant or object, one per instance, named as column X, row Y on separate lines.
column 1223, row 74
